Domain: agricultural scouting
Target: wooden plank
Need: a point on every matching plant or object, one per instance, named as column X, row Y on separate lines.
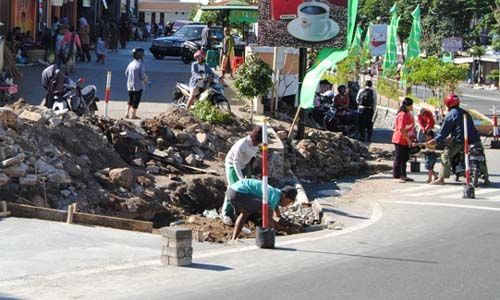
column 4, row 214
column 34, row 212
column 4, row 206
column 71, row 211
column 113, row 222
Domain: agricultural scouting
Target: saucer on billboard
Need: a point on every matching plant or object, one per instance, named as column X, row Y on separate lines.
column 296, row 29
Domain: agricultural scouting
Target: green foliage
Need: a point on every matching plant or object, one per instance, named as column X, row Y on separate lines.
column 494, row 75
column 436, row 102
column 389, row 88
column 496, row 44
column 434, row 73
column 205, row 111
column 346, row 70
column 477, row 51
column 214, row 16
column 253, row 78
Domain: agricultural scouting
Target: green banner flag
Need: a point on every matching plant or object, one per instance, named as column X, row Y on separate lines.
column 328, row 58
column 356, row 43
column 415, row 36
column 390, row 59
column 365, row 53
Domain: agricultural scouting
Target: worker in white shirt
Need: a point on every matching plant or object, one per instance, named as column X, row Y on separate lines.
column 238, row 157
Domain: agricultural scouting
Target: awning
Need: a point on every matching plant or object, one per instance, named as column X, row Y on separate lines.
column 243, row 16
column 230, row 5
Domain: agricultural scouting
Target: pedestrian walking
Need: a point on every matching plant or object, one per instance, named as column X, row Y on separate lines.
column 59, row 45
column 227, row 53
column 113, row 37
column 124, row 32
column 246, row 197
column 367, row 105
column 85, row 39
column 403, row 138
column 136, row 82
column 205, row 37
column 238, row 159
column 72, row 44
column 100, row 50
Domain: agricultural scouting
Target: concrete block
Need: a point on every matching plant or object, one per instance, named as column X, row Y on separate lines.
column 180, row 262
column 175, row 243
column 177, row 252
column 176, row 232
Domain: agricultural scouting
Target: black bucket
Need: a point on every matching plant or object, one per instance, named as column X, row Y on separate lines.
column 415, row 166
column 469, row 192
column 265, row 237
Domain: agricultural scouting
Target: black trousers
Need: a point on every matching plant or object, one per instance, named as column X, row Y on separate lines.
column 85, row 53
column 401, row 157
column 365, row 123
column 134, row 98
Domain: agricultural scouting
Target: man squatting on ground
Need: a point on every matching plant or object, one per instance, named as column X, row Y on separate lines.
column 238, row 158
column 246, row 197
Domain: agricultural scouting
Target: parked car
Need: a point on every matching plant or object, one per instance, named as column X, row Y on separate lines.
column 172, row 45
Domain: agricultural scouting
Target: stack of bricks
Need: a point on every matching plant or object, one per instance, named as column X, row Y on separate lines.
column 177, row 247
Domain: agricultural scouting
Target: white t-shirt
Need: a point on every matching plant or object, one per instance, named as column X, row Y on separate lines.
column 240, row 155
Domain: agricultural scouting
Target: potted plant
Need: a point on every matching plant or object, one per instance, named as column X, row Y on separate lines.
column 253, row 79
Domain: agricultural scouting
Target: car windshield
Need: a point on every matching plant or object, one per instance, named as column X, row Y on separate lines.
column 189, row 32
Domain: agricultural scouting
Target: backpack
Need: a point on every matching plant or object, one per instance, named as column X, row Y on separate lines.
column 366, row 98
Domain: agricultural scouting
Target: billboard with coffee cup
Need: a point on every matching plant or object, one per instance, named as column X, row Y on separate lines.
column 303, row 23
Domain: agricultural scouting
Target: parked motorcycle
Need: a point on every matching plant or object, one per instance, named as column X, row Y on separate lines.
column 476, row 158
column 326, row 116
column 81, row 101
column 211, row 90
column 189, row 48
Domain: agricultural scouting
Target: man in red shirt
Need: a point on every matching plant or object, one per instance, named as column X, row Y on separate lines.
column 341, row 101
column 426, row 122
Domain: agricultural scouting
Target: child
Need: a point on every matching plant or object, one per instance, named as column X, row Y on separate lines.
column 100, row 51
column 430, row 157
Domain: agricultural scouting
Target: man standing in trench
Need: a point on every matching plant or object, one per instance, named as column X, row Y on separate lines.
column 239, row 156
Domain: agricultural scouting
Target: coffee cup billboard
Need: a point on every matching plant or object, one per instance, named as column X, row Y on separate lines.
column 303, row 24
column 378, row 39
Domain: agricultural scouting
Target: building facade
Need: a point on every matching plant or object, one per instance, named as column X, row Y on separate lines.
column 158, row 11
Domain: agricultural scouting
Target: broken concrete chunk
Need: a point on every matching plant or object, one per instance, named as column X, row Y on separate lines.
column 30, row 116
column 15, row 172
column 201, row 138
column 13, row 160
column 57, row 176
column 153, row 170
column 191, row 160
column 138, row 162
column 29, row 180
column 8, row 117
column 122, row 177
column 65, row 193
column 4, row 179
column 55, row 121
column 43, row 167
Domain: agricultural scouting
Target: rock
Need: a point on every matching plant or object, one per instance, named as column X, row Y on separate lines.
column 43, row 167
column 57, row 176
column 122, row 177
column 14, row 172
column 104, row 180
column 202, row 139
column 65, row 193
column 29, row 180
column 191, row 160
column 30, row 116
column 177, row 158
column 4, row 179
column 55, row 122
column 8, row 117
column 13, row 160
column 138, row 162
column 160, row 153
column 193, row 127
column 191, row 220
column 144, row 181
column 221, row 156
column 70, row 119
column 184, row 138
column 153, row 170
column 73, row 169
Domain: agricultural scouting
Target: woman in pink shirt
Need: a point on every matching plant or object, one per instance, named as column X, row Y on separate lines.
column 403, row 138
column 72, row 41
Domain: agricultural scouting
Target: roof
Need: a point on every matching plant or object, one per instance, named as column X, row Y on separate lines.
column 165, row 6
column 484, row 58
column 230, row 5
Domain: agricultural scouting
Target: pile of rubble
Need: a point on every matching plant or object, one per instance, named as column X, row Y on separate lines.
column 324, row 155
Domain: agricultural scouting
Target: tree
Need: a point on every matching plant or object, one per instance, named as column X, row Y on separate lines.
column 476, row 52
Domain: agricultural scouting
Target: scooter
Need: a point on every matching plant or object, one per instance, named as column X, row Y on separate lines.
column 211, row 90
column 82, row 101
column 189, row 48
column 327, row 117
column 476, row 158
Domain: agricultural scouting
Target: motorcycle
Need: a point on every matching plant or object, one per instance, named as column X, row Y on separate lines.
column 326, row 116
column 82, row 101
column 189, row 48
column 476, row 158
column 211, row 90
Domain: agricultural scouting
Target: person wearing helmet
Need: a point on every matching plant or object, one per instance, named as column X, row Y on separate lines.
column 136, row 79
column 454, row 125
column 199, row 69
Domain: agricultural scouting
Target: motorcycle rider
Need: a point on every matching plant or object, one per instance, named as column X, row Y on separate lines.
column 454, row 124
column 198, row 70
column 53, row 80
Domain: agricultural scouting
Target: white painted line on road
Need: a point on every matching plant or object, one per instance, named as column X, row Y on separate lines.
column 444, row 205
column 476, row 192
column 416, row 188
column 435, row 191
column 481, row 97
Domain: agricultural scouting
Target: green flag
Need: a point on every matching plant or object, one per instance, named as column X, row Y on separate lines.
column 390, row 59
column 365, row 53
column 328, row 58
column 356, row 43
column 415, row 36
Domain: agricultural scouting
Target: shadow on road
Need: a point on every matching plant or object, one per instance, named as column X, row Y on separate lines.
column 208, row 267
column 358, row 255
column 344, row 214
column 3, row 297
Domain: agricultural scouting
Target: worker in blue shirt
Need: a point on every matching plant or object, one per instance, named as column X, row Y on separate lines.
column 454, row 124
column 246, row 198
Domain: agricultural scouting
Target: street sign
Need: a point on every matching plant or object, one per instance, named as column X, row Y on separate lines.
column 298, row 24
column 378, row 39
column 453, row 44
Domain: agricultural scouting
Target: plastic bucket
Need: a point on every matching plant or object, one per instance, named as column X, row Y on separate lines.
column 265, row 237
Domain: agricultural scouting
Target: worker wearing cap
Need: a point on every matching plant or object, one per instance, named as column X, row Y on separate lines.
column 246, row 197
column 238, row 158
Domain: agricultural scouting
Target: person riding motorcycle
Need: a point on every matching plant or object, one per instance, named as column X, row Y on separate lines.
column 454, row 124
column 199, row 69
column 53, row 81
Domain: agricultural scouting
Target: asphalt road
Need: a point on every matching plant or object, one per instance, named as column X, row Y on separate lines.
column 162, row 73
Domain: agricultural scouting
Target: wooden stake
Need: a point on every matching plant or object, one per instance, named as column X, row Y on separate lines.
column 71, row 211
column 4, row 206
column 295, row 120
